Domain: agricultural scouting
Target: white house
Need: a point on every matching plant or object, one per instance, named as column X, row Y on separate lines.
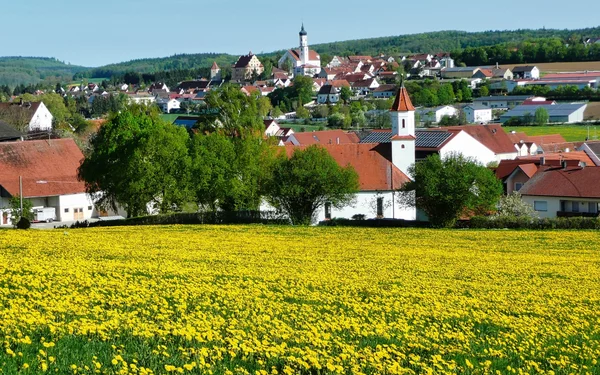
column 271, row 128
column 142, row 98
column 559, row 113
column 478, row 114
column 167, row 104
column 304, row 61
column 526, row 72
column 435, row 115
column 328, row 94
column 564, row 191
column 48, row 170
column 38, row 115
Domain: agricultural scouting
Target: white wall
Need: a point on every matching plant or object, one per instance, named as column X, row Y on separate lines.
column 365, row 203
column 42, row 119
column 73, row 201
column 464, row 144
column 552, row 202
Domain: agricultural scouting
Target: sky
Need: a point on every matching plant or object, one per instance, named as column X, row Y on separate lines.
column 96, row 33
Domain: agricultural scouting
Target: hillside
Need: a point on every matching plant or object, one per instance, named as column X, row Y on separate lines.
column 25, row 70
column 150, row 65
column 32, row 70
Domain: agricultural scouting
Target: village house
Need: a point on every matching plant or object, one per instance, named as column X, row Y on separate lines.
column 328, row 94
column 435, row 115
column 385, row 91
column 245, row 67
column 48, row 171
column 35, row 115
column 9, row 133
column 558, row 113
column 526, row 72
column 564, row 191
column 504, row 102
column 477, row 114
column 459, row 72
column 303, row 60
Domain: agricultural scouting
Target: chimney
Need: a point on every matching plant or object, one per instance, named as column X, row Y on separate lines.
column 563, row 164
column 21, row 102
column 582, row 164
column 338, row 140
column 543, row 160
column 497, row 66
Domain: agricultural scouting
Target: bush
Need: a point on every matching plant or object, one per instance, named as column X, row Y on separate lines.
column 23, row 223
column 507, row 222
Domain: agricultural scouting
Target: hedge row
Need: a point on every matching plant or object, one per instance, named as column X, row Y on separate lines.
column 221, row 217
column 479, row 222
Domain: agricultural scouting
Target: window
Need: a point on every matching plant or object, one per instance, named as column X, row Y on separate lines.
column 403, row 123
column 327, row 211
column 89, row 208
column 380, row 207
column 593, row 207
column 574, row 206
column 66, row 210
column 518, row 186
column 540, row 206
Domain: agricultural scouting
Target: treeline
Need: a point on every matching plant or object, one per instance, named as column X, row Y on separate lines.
column 33, row 70
column 182, row 62
column 559, row 93
column 431, row 93
column 530, row 51
column 445, row 41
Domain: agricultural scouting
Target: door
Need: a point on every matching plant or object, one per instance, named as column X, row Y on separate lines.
column 78, row 214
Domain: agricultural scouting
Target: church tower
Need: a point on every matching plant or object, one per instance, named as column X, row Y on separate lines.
column 215, row 72
column 402, row 115
column 303, row 46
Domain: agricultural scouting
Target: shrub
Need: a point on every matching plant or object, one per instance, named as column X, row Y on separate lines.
column 23, row 223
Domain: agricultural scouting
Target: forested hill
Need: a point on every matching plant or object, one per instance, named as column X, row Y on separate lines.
column 24, row 70
column 151, row 65
column 33, row 70
column 446, row 41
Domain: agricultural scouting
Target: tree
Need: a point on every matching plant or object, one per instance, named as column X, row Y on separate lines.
column 136, row 160
column 541, row 116
column 234, row 111
column 15, row 210
column 308, row 180
column 338, row 121
column 345, row 94
column 446, row 94
column 302, row 113
column 484, row 91
column 445, row 189
column 513, row 206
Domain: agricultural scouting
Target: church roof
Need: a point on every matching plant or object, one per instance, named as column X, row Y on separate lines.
column 312, row 55
column 303, row 32
column 214, row 66
column 402, row 102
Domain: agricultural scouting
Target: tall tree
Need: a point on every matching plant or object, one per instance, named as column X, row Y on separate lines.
column 541, row 116
column 306, row 181
column 137, row 161
column 450, row 187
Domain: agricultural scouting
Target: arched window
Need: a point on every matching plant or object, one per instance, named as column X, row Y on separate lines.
column 402, row 146
column 403, row 123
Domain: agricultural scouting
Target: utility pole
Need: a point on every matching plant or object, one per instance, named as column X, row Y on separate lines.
column 21, row 193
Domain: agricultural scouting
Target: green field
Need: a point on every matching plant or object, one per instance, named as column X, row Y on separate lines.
column 571, row 133
column 170, row 117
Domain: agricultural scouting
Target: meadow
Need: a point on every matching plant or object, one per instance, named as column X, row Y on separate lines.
column 299, row 300
column 571, row 133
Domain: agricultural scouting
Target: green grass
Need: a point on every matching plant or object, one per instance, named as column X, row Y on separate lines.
column 170, row 117
column 571, row 133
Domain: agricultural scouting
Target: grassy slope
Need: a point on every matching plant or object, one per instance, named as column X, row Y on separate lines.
column 572, row 133
column 26, row 70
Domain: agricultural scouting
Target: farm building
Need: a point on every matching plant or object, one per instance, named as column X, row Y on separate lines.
column 560, row 113
column 48, row 171
column 503, row 102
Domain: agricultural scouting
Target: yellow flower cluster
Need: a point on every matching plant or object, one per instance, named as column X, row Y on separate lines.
column 282, row 300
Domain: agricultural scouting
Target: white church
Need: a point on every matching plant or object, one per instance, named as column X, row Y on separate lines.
column 303, row 61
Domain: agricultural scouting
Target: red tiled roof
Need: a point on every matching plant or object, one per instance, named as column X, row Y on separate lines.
column 402, row 102
column 214, row 66
column 372, row 162
column 48, row 167
column 312, row 55
column 570, row 182
column 529, row 169
column 559, row 156
column 491, row 136
column 326, row 137
column 546, row 139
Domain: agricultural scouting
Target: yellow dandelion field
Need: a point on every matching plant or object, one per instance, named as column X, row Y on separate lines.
column 285, row 300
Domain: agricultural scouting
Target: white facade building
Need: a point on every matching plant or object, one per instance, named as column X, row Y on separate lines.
column 478, row 114
column 303, row 61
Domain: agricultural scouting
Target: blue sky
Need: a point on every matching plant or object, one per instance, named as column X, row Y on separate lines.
column 94, row 33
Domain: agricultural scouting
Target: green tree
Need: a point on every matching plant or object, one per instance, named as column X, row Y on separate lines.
column 541, row 116
column 445, row 94
column 137, row 160
column 484, row 91
column 15, row 209
column 345, row 94
column 263, row 106
column 307, row 181
column 302, row 113
column 235, row 111
column 445, row 189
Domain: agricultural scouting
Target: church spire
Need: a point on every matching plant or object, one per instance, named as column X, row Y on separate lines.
column 302, row 31
column 402, row 102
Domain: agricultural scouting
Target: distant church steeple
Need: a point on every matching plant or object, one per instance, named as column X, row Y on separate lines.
column 402, row 115
column 304, row 57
